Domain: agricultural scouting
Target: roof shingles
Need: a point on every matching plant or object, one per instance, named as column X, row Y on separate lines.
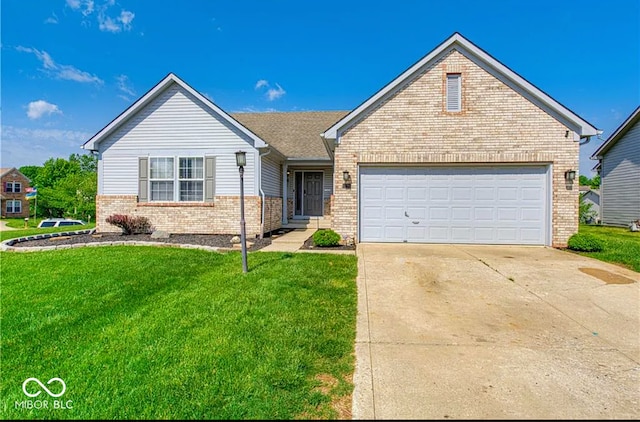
column 294, row 134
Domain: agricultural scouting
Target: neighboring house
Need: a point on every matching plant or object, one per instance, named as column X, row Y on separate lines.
column 619, row 168
column 13, row 203
column 591, row 196
column 457, row 149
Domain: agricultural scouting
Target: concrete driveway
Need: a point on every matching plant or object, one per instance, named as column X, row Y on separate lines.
column 493, row 332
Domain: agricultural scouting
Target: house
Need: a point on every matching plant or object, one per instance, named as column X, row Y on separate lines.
column 457, row 149
column 591, row 196
column 619, row 168
column 13, row 203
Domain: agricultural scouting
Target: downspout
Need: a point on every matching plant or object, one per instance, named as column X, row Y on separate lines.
column 262, row 211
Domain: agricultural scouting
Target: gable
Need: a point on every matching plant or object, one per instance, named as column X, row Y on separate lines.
column 416, row 118
column 148, row 98
column 628, row 131
column 459, row 44
column 174, row 119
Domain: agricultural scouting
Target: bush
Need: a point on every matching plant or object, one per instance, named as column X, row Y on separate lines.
column 326, row 238
column 585, row 243
column 131, row 225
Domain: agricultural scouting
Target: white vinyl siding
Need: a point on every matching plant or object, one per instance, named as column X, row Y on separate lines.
column 454, row 92
column 271, row 177
column 620, row 185
column 175, row 124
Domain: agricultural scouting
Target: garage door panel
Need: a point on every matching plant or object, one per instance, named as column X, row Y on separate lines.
column 439, row 213
column 508, row 214
column 502, row 205
column 439, row 194
column 438, row 233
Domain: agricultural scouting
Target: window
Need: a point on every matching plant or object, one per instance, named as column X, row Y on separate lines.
column 454, row 92
column 191, row 177
column 161, row 176
column 14, row 207
column 13, row 187
column 187, row 184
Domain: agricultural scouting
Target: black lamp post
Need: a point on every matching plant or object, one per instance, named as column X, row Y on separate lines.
column 241, row 161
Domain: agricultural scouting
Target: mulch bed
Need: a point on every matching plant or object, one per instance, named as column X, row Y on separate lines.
column 217, row 240
column 308, row 244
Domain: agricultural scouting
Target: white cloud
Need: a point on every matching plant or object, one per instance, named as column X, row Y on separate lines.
column 53, row 19
column 26, row 146
column 86, row 7
column 37, row 109
column 107, row 21
column 61, row 71
column 275, row 93
column 126, row 17
column 107, row 24
column 272, row 93
column 124, row 85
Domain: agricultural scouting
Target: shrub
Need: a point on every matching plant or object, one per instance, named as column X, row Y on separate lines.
column 326, row 237
column 130, row 224
column 585, row 243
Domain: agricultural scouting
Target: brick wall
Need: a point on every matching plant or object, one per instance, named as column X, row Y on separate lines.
column 14, row 176
column 272, row 213
column 496, row 125
column 220, row 217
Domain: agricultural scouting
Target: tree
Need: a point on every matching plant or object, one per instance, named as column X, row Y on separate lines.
column 66, row 187
column 584, row 180
column 595, row 182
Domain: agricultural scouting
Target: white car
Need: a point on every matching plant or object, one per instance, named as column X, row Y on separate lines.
column 60, row 222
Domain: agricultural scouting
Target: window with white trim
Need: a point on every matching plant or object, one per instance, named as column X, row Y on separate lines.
column 454, row 92
column 14, row 207
column 13, row 187
column 184, row 181
column 161, row 177
column 191, row 178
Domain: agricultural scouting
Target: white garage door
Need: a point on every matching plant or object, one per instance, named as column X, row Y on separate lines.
column 490, row 205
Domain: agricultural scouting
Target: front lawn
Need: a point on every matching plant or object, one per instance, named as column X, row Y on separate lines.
column 164, row 333
column 622, row 246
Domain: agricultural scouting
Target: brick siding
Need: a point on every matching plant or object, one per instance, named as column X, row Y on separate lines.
column 496, row 125
column 220, row 217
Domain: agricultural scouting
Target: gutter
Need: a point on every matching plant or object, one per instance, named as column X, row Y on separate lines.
column 262, row 195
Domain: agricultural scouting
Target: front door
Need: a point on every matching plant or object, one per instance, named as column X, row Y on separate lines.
column 309, row 193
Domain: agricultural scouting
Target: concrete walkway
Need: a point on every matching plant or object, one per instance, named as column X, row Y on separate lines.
column 289, row 242
column 4, row 227
column 293, row 241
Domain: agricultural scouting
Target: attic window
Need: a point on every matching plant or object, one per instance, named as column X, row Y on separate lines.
column 454, row 92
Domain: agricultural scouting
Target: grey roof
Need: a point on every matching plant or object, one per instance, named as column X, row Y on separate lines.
column 294, row 134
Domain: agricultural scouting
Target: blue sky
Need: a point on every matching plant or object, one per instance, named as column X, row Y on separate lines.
column 71, row 66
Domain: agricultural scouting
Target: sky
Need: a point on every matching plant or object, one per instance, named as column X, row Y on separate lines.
column 69, row 67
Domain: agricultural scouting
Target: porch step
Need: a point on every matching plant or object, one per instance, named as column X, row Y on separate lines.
column 309, row 223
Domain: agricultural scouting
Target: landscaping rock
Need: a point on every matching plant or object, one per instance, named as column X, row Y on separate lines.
column 160, row 234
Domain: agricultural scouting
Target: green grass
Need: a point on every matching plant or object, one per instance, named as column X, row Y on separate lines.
column 622, row 246
column 33, row 229
column 164, row 333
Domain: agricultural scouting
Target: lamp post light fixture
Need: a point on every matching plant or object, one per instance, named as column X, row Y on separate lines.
column 346, row 177
column 570, row 175
column 241, row 161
